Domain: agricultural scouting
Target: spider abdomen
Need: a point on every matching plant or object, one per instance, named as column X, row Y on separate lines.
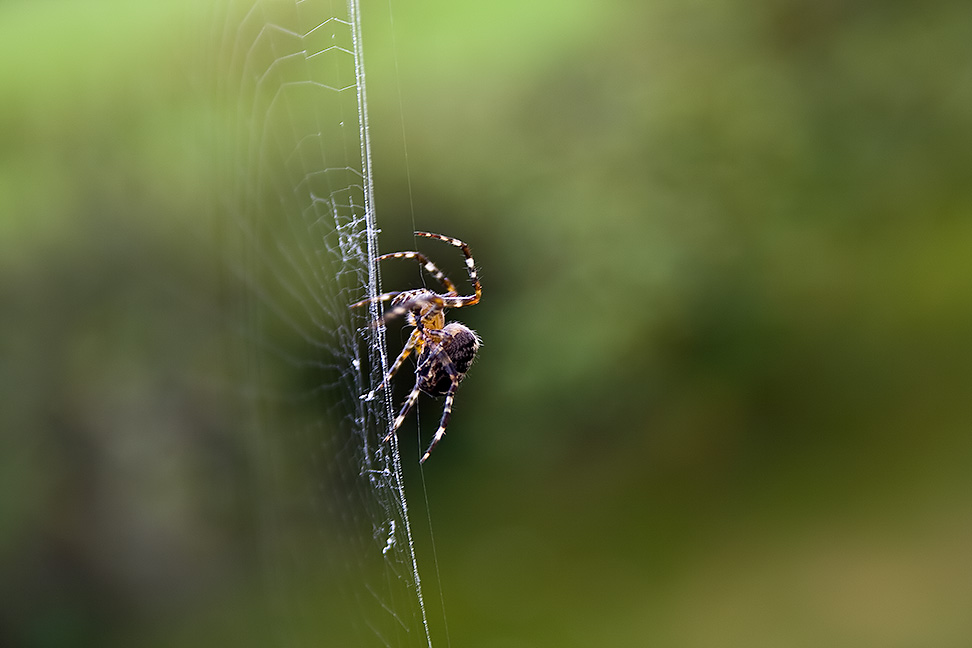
column 460, row 344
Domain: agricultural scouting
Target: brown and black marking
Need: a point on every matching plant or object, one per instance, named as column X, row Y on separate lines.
column 444, row 351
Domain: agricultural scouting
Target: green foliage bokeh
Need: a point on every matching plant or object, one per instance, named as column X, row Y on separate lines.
column 724, row 393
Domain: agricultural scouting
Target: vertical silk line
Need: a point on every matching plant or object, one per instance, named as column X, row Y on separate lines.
column 354, row 12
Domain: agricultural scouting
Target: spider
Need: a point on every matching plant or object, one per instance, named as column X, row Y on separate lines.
column 444, row 351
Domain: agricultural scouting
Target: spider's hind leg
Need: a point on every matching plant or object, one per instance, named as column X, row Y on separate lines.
column 406, row 408
column 446, row 414
column 439, row 362
column 437, row 359
column 413, row 395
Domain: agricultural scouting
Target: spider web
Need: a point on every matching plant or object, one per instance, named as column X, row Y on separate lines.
column 301, row 246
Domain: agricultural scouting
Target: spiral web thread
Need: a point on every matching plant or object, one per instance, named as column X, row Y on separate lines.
column 302, row 243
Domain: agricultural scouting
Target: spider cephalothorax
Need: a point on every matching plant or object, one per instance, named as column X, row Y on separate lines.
column 444, row 352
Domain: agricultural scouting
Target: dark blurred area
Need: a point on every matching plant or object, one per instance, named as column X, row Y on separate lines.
column 723, row 398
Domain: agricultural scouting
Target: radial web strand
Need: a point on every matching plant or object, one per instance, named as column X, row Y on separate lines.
column 301, row 244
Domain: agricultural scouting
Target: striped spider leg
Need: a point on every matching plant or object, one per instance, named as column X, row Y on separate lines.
column 443, row 351
column 435, row 369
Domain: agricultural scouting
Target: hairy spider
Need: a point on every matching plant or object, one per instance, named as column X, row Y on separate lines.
column 444, row 351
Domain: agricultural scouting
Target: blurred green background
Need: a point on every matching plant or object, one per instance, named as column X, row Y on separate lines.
column 724, row 393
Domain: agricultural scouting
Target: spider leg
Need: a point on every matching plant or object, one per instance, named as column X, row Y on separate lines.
column 446, row 408
column 416, row 304
column 451, row 299
column 413, row 341
column 439, row 301
column 380, row 298
column 406, row 408
column 409, row 400
column 429, row 267
column 470, row 268
column 413, row 395
column 423, row 372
